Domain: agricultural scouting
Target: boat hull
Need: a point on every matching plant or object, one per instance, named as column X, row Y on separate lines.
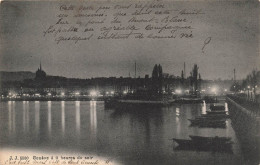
column 221, row 144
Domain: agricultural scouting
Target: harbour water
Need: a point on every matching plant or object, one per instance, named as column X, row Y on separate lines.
column 135, row 136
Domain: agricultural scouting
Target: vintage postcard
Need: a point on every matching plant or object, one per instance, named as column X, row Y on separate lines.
column 129, row 82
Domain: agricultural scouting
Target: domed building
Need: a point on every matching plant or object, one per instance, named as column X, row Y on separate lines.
column 40, row 74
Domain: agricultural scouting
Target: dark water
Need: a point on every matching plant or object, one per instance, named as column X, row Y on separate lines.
column 137, row 136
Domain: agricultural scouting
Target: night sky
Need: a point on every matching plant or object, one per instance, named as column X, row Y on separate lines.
column 233, row 27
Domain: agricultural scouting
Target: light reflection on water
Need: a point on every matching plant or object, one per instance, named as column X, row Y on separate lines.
column 63, row 118
column 139, row 134
column 10, row 117
column 37, row 117
column 49, row 118
column 93, row 119
column 178, row 120
column 226, row 107
column 204, row 108
column 26, row 116
column 77, row 106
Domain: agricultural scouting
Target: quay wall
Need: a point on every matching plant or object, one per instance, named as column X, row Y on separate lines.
column 246, row 123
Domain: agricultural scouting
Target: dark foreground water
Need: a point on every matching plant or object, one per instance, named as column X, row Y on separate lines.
column 137, row 136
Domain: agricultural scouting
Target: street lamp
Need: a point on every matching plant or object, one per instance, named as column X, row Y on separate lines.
column 93, row 93
column 214, row 90
column 178, row 91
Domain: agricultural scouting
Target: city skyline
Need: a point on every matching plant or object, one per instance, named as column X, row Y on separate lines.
column 130, row 75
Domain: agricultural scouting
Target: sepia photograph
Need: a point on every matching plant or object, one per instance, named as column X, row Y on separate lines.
column 150, row 82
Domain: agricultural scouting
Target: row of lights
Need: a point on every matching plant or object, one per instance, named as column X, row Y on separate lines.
column 180, row 91
column 92, row 93
column 248, row 87
column 95, row 93
column 213, row 90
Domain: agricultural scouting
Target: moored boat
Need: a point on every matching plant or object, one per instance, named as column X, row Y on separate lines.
column 216, row 112
column 212, row 125
column 214, row 116
column 204, row 142
column 206, row 120
column 217, row 107
column 210, row 139
column 183, row 142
